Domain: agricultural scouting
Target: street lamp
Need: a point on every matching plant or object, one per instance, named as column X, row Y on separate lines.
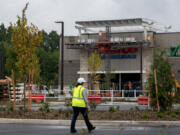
column 61, row 62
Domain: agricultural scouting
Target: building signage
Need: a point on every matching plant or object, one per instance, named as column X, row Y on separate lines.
column 112, row 40
column 86, row 40
column 104, row 50
column 174, row 51
column 123, row 53
column 120, row 56
column 123, row 39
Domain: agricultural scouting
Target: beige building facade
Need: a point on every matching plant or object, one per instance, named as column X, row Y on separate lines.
column 127, row 55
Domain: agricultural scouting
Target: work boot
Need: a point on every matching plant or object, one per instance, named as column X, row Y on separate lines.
column 91, row 129
column 73, row 131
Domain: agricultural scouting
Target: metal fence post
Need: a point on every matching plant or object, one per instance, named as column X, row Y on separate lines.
column 148, row 100
column 135, row 93
column 45, row 98
column 112, row 95
column 123, row 93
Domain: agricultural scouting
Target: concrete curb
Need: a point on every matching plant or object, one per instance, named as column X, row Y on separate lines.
column 95, row 122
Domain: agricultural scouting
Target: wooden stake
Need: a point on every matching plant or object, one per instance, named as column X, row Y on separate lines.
column 9, row 91
column 30, row 81
column 155, row 78
column 32, row 77
column 29, row 95
column 14, row 90
column 9, row 80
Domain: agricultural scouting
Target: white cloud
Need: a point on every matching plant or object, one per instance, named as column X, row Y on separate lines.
column 44, row 13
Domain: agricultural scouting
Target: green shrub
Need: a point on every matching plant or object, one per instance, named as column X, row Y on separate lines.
column 21, row 108
column 160, row 114
column 66, row 114
column 10, row 108
column 67, row 103
column 46, row 107
column 59, row 111
column 52, row 109
column 111, row 109
column 42, row 101
column 137, row 108
column 25, row 109
column 167, row 112
column 41, row 109
column 173, row 115
column 105, row 100
column 33, row 100
column 117, row 108
column 24, row 100
column 71, row 111
column 92, row 106
column 162, row 68
column 144, row 116
column 177, row 112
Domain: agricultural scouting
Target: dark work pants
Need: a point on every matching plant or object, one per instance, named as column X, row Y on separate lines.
column 84, row 112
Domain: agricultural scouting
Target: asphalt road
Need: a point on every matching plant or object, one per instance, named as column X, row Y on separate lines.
column 31, row 129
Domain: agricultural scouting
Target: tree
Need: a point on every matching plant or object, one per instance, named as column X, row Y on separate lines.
column 26, row 39
column 94, row 64
column 48, row 65
column 48, row 55
column 50, row 41
column 3, row 33
column 4, row 49
column 161, row 71
column 2, row 60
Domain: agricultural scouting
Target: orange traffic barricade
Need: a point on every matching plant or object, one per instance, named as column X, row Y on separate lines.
column 143, row 100
column 37, row 97
column 95, row 98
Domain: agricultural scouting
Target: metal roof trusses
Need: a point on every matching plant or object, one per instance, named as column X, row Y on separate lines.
column 146, row 24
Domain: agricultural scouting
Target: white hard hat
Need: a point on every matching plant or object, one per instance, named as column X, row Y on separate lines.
column 81, row 80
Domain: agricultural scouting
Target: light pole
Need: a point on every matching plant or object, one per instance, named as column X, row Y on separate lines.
column 141, row 68
column 61, row 62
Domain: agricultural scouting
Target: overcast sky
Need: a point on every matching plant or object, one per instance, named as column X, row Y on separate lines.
column 43, row 13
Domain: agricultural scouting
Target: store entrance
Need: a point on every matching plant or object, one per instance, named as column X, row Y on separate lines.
column 130, row 81
column 114, row 82
column 121, row 81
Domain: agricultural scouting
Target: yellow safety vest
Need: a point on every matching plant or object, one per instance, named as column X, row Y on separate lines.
column 51, row 92
column 77, row 99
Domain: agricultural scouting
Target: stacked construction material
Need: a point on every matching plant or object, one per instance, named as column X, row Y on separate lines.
column 4, row 92
column 18, row 92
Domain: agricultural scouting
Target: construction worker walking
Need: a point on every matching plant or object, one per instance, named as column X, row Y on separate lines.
column 80, row 104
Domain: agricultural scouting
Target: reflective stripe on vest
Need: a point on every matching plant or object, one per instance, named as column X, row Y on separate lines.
column 77, row 99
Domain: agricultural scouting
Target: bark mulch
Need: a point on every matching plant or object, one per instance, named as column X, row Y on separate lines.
column 137, row 115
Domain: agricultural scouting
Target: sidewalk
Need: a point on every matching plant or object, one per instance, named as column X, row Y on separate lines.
column 95, row 122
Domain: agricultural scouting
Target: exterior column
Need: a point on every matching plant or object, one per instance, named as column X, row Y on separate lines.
column 120, row 81
column 84, row 65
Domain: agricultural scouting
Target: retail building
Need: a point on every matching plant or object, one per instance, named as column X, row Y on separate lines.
column 126, row 49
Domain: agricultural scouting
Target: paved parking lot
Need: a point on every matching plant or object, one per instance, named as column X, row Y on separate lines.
column 32, row 129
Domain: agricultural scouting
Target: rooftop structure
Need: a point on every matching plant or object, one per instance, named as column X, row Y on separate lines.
column 103, row 31
column 147, row 24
